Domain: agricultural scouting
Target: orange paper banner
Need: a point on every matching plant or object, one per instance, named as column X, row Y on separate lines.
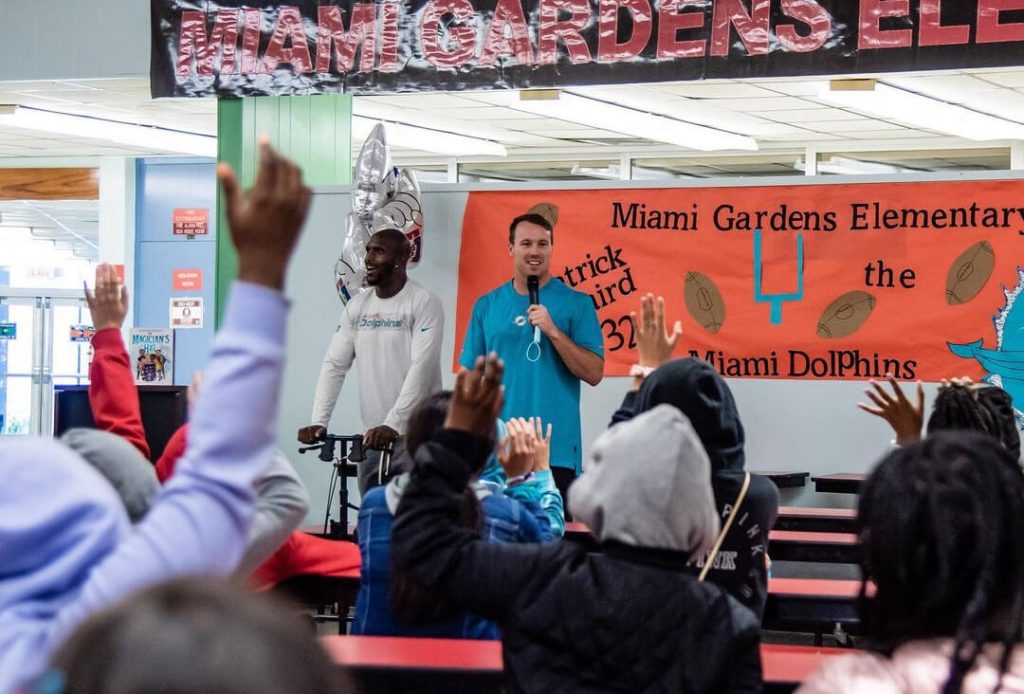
column 812, row 281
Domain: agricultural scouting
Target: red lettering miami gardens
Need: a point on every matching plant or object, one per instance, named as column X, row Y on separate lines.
column 365, row 36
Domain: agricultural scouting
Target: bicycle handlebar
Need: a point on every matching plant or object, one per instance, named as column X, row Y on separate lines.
column 356, row 454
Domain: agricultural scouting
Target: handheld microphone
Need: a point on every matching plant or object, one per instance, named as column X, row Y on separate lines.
column 533, row 287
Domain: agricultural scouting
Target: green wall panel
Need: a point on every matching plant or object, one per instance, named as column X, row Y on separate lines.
column 315, row 131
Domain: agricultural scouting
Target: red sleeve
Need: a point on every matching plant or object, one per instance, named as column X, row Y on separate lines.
column 173, row 451
column 307, row 554
column 112, row 393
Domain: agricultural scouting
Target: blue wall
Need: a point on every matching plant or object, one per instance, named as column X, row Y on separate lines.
column 4, row 279
column 161, row 186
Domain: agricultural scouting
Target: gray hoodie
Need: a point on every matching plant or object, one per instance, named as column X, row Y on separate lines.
column 648, row 484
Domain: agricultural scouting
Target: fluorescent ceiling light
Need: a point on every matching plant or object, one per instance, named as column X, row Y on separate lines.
column 629, row 121
column 880, row 99
column 428, row 139
column 613, row 172
column 131, row 134
column 854, row 167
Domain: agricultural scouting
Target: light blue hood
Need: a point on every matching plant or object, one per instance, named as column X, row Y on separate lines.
column 58, row 519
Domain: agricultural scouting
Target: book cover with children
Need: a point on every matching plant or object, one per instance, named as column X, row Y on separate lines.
column 153, row 352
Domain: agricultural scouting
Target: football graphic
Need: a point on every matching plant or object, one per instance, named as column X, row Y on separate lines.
column 969, row 273
column 704, row 301
column 546, row 210
column 845, row 315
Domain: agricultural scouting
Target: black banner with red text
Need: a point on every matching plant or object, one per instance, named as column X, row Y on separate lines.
column 207, row 48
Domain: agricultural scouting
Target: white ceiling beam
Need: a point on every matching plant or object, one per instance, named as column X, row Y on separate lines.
column 765, row 154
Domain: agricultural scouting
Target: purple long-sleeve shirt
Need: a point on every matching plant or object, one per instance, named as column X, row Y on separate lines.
column 66, row 548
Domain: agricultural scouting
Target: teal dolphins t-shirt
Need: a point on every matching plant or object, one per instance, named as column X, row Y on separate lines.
column 543, row 388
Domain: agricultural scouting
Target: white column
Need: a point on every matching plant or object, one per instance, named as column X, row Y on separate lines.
column 117, row 220
column 1017, row 156
column 810, row 161
column 626, row 167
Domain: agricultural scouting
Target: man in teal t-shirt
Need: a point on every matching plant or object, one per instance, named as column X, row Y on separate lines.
column 542, row 379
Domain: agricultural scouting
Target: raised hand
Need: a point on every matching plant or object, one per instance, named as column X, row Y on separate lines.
column 654, row 344
column 542, row 456
column 108, row 302
column 905, row 418
column 518, row 448
column 265, row 222
column 477, row 397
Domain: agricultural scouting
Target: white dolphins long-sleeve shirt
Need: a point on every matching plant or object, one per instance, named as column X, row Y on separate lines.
column 395, row 344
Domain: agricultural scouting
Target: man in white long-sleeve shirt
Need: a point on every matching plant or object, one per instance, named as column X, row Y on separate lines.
column 393, row 333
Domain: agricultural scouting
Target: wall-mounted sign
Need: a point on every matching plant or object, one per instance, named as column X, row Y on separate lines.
column 191, row 221
column 186, row 312
column 187, row 280
column 261, row 47
column 81, row 333
column 8, row 331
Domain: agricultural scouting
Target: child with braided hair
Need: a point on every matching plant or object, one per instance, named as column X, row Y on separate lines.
column 960, row 405
column 939, row 523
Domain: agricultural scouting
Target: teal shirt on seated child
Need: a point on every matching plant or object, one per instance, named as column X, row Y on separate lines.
column 543, row 388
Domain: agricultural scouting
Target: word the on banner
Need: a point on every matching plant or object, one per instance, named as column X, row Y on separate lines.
column 919, row 280
column 231, row 48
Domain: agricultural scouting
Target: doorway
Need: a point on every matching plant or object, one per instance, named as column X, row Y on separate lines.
column 42, row 345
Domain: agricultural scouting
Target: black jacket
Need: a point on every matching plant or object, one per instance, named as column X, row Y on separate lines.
column 624, row 619
column 696, row 389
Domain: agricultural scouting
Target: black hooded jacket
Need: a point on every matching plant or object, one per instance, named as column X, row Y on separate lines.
column 619, row 619
column 693, row 386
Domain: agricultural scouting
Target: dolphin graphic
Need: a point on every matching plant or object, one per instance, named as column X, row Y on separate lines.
column 1005, row 363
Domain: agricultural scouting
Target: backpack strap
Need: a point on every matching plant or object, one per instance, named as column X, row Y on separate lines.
column 725, row 528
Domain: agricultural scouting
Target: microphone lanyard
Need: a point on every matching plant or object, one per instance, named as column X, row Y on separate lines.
column 533, row 349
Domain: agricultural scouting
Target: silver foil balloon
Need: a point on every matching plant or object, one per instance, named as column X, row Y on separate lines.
column 405, row 211
column 350, row 268
column 383, row 197
column 373, row 175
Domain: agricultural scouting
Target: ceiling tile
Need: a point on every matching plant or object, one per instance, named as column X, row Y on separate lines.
column 776, row 103
column 495, row 113
column 585, row 134
column 705, row 90
column 842, row 127
column 809, row 115
column 1004, row 79
column 775, row 110
column 799, row 88
column 497, row 97
column 902, row 134
column 939, row 85
column 806, row 136
column 420, row 101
